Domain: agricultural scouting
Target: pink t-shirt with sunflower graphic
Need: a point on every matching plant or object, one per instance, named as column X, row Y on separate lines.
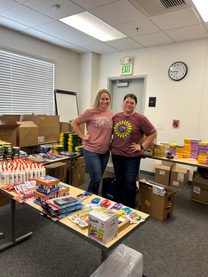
column 128, row 130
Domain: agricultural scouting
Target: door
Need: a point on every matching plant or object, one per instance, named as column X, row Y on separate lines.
column 135, row 86
column 119, row 89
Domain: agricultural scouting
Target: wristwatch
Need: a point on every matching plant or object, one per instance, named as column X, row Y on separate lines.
column 141, row 146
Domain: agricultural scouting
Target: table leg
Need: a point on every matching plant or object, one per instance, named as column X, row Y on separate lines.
column 14, row 240
column 70, row 171
column 104, row 256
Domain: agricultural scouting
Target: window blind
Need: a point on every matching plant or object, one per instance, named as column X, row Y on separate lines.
column 26, row 85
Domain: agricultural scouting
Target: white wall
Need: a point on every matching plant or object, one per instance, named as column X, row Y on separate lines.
column 185, row 100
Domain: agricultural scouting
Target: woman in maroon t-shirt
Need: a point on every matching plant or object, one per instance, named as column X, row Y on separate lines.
column 128, row 130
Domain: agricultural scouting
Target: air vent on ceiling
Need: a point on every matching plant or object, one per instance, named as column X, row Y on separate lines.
column 154, row 7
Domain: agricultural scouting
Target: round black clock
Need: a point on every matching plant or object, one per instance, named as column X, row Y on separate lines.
column 177, row 71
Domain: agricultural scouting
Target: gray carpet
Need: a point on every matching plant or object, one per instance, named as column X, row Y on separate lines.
column 177, row 247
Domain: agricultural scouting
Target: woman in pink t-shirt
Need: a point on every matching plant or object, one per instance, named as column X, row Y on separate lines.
column 96, row 143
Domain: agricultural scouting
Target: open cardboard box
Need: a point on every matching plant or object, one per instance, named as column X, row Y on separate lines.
column 151, row 203
column 48, row 126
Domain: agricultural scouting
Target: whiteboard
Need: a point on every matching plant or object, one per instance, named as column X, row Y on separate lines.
column 66, row 104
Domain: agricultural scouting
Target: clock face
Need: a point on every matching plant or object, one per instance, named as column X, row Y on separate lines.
column 177, row 71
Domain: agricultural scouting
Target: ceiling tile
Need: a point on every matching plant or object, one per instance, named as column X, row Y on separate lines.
column 101, row 48
column 90, row 4
column 138, row 27
column 187, row 33
column 6, row 5
column 153, row 39
column 27, row 16
column 36, row 18
column 57, row 29
column 12, row 24
column 44, row 6
column 117, row 13
column 173, row 20
column 124, row 44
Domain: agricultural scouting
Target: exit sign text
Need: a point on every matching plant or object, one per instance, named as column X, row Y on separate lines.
column 126, row 69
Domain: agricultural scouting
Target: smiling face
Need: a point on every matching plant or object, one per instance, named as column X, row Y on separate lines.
column 129, row 105
column 104, row 101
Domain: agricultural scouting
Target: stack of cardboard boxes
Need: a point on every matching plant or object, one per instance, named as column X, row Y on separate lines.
column 171, row 174
column 199, row 189
column 31, row 129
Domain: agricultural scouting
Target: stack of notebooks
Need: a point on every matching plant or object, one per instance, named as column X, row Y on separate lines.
column 61, row 207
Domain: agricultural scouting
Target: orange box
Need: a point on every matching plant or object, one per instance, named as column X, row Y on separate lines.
column 47, row 184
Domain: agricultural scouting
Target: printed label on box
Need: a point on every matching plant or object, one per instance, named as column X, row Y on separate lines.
column 162, row 172
column 175, row 183
column 197, row 189
column 180, row 177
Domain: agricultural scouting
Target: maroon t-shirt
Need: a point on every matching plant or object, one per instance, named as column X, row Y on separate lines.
column 128, row 130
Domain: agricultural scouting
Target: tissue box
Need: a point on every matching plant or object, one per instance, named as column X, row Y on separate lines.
column 103, row 225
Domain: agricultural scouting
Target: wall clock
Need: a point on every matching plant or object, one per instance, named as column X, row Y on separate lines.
column 177, row 71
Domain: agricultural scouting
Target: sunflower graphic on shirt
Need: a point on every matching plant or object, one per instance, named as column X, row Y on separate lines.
column 122, row 129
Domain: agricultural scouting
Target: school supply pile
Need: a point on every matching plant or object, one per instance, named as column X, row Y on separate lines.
column 61, row 207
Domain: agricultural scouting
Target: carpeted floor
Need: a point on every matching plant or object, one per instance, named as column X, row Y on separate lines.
column 177, row 247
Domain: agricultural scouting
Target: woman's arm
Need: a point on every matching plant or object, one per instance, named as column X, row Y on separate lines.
column 75, row 125
column 144, row 144
column 148, row 140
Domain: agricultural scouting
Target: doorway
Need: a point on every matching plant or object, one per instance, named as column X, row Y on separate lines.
column 119, row 87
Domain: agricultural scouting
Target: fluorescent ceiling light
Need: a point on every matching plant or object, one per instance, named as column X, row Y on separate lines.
column 93, row 26
column 202, row 7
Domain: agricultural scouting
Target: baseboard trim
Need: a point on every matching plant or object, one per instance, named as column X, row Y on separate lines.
column 147, row 173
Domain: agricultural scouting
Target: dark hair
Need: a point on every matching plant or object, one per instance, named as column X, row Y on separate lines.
column 131, row 95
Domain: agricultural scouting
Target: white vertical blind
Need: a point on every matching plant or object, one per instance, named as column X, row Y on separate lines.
column 26, row 85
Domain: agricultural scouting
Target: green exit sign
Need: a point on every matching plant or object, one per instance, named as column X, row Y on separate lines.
column 126, row 69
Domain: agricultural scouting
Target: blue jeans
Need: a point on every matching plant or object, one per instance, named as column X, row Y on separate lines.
column 96, row 164
column 126, row 170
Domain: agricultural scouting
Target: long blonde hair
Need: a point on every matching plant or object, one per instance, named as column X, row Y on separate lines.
column 97, row 98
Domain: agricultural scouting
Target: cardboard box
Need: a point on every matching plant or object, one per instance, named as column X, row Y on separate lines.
column 78, row 171
column 27, row 134
column 4, row 200
column 48, row 126
column 179, row 177
column 9, row 135
column 8, row 130
column 47, row 184
column 103, row 225
column 58, row 170
column 162, row 173
column 66, row 127
column 16, row 117
column 199, row 189
column 152, row 203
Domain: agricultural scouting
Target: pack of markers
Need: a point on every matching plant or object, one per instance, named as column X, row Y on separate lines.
column 60, row 207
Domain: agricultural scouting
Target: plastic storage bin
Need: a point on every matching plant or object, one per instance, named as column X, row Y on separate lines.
column 122, row 262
